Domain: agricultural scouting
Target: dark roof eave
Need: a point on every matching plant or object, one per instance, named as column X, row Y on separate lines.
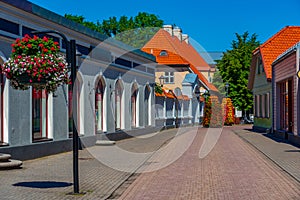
column 51, row 16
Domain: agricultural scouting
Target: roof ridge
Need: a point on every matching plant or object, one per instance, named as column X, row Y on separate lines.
column 276, row 35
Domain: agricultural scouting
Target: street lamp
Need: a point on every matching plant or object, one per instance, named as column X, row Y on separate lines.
column 226, row 88
column 71, row 58
column 162, row 80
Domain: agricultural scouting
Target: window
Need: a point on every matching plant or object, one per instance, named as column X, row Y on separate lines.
column 259, row 65
column 163, row 53
column 123, row 62
column 169, row 107
column 186, row 105
column 286, row 105
column 39, row 114
column 9, row 26
column 169, row 77
column 82, row 49
column 257, row 106
column 267, row 105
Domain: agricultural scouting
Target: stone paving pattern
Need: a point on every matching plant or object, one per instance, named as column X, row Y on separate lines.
column 234, row 169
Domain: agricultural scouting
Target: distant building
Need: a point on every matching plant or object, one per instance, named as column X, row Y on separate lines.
column 210, row 58
column 181, row 67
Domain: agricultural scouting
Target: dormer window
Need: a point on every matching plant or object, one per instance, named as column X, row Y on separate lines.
column 163, row 53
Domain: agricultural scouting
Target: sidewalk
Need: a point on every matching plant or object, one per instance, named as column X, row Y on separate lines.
column 51, row 177
column 285, row 155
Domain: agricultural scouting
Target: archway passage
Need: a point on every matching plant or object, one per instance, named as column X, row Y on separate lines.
column 99, row 105
column 118, row 104
column 134, row 93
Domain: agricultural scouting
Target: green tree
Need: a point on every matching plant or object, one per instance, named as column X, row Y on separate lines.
column 134, row 31
column 234, row 68
column 218, row 82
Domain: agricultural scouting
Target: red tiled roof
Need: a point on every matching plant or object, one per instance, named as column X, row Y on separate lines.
column 170, row 94
column 272, row 48
column 178, row 53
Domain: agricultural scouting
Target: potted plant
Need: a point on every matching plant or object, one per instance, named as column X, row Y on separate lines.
column 36, row 62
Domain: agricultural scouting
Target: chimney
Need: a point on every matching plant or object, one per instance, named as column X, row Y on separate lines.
column 177, row 32
column 185, row 37
column 169, row 29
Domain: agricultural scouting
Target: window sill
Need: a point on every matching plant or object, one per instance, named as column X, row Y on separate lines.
column 3, row 144
column 42, row 140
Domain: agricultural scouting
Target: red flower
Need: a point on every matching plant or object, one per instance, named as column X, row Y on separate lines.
column 45, row 50
column 29, row 45
column 45, row 39
column 41, row 45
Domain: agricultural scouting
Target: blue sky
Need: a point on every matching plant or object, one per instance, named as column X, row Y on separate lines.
column 212, row 24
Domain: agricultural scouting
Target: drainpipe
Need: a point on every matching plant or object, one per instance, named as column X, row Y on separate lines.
column 297, row 88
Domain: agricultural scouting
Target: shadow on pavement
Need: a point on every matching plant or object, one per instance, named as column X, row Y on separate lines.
column 43, row 184
column 273, row 137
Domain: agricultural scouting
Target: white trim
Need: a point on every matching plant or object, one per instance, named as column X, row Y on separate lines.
column 50, row 116
column 5, row 104
column 81, row 103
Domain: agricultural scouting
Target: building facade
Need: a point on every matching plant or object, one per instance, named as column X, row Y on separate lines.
column 260, row 77
column 113, row 90
column 286, row 95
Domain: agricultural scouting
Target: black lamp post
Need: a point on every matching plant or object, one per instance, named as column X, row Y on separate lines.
column 71, row 58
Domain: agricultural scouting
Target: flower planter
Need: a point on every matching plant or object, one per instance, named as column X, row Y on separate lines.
column 29, row 81
column 36, row 62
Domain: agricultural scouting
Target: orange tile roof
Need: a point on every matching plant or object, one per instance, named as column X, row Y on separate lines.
column 178, row 53
column 170, row 94
column 272, row 48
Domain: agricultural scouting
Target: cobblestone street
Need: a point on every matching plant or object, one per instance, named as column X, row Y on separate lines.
column 234, row 169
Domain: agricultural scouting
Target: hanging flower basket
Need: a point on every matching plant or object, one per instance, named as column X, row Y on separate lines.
column 36, row 62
